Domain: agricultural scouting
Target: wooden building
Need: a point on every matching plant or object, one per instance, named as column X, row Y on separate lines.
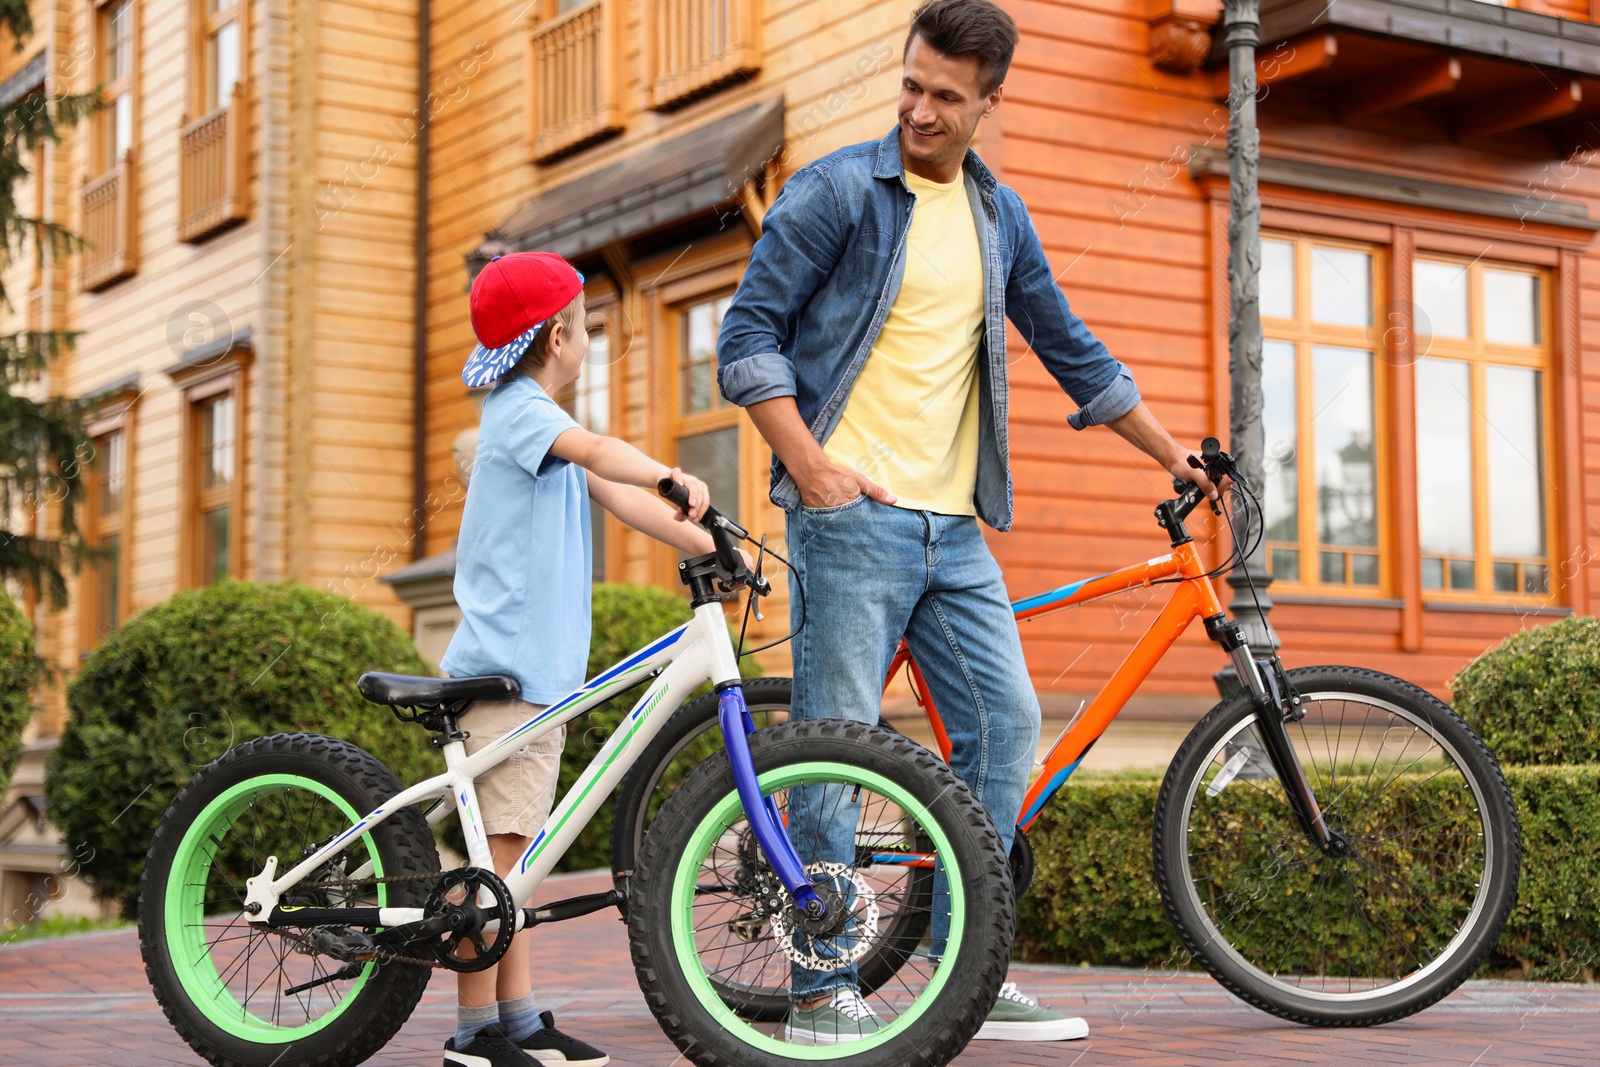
column 285, row 203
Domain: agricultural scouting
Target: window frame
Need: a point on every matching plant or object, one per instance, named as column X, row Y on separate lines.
column 201, row 384
column 710, row 272
column 1478, row 353
column 1306, row 335
column 602, row 300
column 103, row 123
column 203, row 26
column 115, row 416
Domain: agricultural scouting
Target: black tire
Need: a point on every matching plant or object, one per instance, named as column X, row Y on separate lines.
column 690, row 736
column 932, row 1013
column 1361, row 939
column 357, row 1017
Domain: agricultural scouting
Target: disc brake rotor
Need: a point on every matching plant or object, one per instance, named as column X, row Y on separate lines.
column 845, row 948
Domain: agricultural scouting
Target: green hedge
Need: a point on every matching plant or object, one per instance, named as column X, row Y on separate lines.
column 180, row 682
column 626, row 619
column 1535, row 697
column 1094, row 898
column 19, row 669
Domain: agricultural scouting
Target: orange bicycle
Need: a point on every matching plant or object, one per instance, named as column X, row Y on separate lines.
column 1336, row 846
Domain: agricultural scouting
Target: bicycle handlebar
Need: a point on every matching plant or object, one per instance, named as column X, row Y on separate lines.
column 1216, row 464
column 723, row 531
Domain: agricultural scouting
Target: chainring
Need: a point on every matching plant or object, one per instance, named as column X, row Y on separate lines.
column 455, row 897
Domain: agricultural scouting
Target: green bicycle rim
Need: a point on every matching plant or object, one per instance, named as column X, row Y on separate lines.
column 685, row 878
column 185, row 899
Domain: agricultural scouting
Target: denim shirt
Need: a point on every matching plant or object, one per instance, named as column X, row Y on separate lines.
column 827, row 269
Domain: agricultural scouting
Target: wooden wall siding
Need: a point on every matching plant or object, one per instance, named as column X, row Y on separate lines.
column 355, row 477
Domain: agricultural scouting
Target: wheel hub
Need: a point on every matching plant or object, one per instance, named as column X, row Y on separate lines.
column 815, row 943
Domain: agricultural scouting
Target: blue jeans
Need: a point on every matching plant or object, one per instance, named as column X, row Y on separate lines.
column 872, row 574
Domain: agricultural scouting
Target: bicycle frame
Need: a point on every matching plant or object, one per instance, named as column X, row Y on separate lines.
column 696, row 652
column 1193, row 597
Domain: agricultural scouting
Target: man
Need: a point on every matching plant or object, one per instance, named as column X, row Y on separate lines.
column 867, row 341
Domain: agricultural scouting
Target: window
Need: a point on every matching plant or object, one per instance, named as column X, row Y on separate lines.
column 707, row 437
column 107, row 491
column 1321, row 395
column 1482, row 504
column 219, row 58
column 114, row 125
column 214, row 477
column 588, row 401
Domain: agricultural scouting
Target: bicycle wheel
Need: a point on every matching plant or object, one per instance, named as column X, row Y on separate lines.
column 219, row 980
column 1354, row 940
column 695, row 924
column 692, row 735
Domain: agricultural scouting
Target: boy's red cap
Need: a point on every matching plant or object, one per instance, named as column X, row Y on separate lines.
column 514, row 293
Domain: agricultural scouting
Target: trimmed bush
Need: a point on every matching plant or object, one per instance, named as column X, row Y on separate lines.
column 1535, row 697
column 626, row 619
column 179, row 683
column 1094, row 898
column 19, row 669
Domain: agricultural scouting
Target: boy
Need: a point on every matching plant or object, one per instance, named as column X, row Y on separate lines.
column 522, row 582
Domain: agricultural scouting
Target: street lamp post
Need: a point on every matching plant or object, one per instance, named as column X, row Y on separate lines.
column 1241, row 20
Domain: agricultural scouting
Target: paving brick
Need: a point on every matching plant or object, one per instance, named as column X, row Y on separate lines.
column 85, row 1002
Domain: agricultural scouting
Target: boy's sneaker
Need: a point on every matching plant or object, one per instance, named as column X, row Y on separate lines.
column 1018, row 1017
column 552, row 1047
column 845, row 1017
column 489, row 1047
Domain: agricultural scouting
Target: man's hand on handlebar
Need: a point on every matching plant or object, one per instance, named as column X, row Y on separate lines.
column 833, row 484
column 1181, row 470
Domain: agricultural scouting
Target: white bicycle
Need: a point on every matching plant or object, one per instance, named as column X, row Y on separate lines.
column 292, row 908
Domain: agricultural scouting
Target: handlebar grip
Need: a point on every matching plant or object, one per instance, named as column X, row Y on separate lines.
column 676, row 493
column 1210, row 448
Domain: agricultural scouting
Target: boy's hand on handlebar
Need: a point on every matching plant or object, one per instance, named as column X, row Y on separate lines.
column 837, row 484
column 699, row 496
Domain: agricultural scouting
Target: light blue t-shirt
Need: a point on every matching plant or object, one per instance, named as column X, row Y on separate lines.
column 522, row 559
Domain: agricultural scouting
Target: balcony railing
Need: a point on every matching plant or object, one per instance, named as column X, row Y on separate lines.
column 576, row 98
column 698, row 45
column 212, row 178
column 109, row 226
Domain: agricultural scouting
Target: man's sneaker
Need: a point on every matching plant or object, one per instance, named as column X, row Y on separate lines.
column 1018, row 1017
column 489, row 1047
column 551, row 1046
column 846, row 1017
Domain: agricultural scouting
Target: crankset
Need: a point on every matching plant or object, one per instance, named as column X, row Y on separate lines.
column 454, row 903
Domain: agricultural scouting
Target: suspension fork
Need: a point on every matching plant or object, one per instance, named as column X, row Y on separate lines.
column 1277, row 703
column 766, row 822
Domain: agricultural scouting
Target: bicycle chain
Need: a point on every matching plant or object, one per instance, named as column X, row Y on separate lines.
column 350, row 883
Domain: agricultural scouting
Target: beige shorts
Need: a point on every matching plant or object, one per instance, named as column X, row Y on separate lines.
column 514, row 797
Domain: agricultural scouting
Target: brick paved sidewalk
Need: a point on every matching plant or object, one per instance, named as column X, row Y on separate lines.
column 83, row 1001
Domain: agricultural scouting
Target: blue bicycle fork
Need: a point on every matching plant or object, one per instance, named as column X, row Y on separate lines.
column 762, row 812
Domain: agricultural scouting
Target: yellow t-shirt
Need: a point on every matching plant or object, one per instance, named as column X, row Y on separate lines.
column 911, row 422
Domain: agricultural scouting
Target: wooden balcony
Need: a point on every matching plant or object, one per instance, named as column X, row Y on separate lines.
column 698, row 46
column 110, row 226
column 576, row 91
column 212, row 179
